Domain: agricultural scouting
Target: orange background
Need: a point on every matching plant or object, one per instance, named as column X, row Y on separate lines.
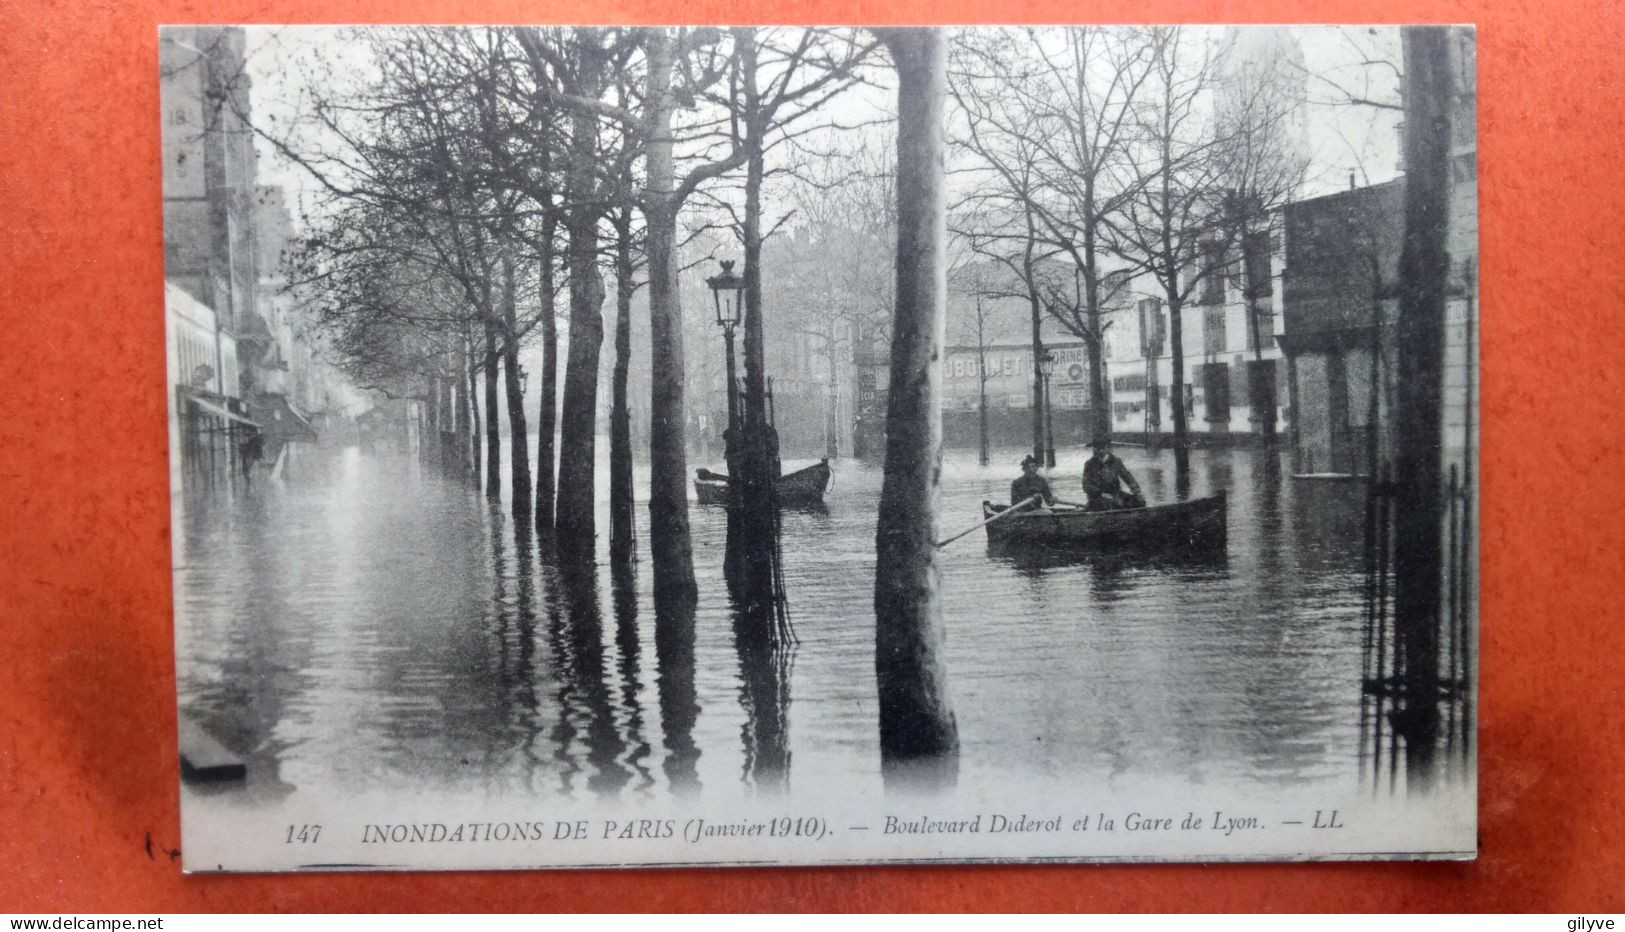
column 87, row 724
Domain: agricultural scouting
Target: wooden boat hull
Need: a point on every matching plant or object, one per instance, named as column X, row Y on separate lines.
column 802, row 488
column 1197, row 523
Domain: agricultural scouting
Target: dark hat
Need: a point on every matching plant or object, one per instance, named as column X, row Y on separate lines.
column 1102, row 443
column 1031, row 460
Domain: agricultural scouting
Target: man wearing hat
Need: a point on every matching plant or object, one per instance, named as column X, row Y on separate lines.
column 1030, row 484
column 1104, row 476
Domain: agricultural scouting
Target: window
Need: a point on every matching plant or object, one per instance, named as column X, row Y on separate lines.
column 1212, row 270
column 1216, row 390
column 1152, row 327
column 1213, row 330
column 1259, row 269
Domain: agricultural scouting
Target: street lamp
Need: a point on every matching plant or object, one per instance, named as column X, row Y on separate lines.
column 727, row 290
column 1046, row 366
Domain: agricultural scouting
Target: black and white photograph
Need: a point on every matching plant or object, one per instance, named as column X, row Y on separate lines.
column 601, row 446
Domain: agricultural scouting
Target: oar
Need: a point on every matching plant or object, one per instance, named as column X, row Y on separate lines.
column 1003, row 514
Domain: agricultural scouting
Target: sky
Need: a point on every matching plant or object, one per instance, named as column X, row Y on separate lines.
column 287, row 63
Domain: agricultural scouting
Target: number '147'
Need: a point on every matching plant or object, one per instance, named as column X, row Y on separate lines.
column 303, row 834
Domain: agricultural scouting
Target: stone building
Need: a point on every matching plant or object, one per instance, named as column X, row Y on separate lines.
column 210, row 260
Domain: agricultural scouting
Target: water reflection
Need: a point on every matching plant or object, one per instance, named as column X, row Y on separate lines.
column 385, row 628
column 765, row 664
column 584, row 689
column 679, row 706
column 624, row 580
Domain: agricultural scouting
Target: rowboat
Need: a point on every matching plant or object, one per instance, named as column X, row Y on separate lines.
column 1196, row 523
column 797, row 489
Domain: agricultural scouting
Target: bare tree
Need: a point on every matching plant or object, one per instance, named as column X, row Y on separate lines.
column 1169, row 229
column 430, row 143
column 1261, row 168
column 1000, row 219
column 916, row 714
column 626, row 260
column 986, row 310
column 581, row 63
column 826, row 286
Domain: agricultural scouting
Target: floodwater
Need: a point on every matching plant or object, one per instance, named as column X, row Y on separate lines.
column 362, row 625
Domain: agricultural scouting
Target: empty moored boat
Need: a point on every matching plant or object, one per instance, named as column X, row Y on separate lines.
column 794, row 489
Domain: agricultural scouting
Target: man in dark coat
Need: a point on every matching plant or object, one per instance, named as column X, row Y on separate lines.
column 1104, row 476
column 1030, row 484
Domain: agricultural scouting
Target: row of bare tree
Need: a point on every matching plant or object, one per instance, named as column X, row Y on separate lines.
column 475, row 177
column 1110, row 159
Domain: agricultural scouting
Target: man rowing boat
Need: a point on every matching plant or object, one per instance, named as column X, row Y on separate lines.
column 1103, row 478
column 1030, row 484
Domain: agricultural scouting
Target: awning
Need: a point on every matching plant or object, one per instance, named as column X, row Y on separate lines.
column 214, row 409
column 282, row 421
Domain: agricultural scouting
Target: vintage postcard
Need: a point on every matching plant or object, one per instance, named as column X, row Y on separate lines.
column 607, row 446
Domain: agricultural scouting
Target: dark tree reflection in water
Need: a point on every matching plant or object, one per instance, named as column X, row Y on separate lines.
column 623, row 581
column 372, row 628
column 587, row 677
column 679, row 705
column 765, row 663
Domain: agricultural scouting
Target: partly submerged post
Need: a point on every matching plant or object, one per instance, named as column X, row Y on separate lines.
column 916, row 717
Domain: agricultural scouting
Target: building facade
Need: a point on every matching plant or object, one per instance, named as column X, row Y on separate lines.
column 1234, row 390
column 1340, row 307
column 231, row 323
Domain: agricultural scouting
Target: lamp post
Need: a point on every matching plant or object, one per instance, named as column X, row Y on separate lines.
column 1046, row 367
column 727, row 290
column 524, row 381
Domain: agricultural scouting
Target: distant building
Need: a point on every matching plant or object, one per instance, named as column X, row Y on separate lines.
column 207, row 426
column 283, row 366
column 224, row 242
column 1007, row 371
column 1234, row 377
column 209, row 171
column 210, row 263
column 1341, row 271
column 1342, row 259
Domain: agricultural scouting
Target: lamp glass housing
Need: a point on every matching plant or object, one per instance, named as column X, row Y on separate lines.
column 726, row 290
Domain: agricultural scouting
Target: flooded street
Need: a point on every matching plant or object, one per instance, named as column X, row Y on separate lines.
column 365, row 626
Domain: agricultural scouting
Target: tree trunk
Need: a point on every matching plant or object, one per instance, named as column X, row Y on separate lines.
column 1424, row 269
column 575, row 519
column 1262, row 400
column 669, row 544
column 916, row 716
column 981, row 403
column 620, row 418
column 753, row 546
column 471, row 404
column 518, row 433
column 832, row 419
column 755, row 169
column 493, row 431
column 1099, row 413
column 429, row 450
column 1038, row 338
column 547, row 416
column 1176, row 393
